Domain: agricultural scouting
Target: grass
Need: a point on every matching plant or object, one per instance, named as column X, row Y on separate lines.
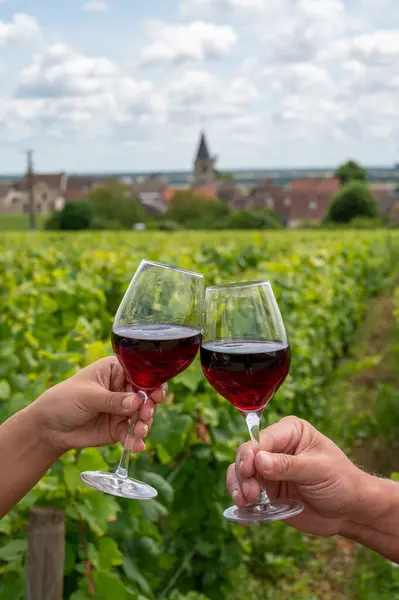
column 18, row 222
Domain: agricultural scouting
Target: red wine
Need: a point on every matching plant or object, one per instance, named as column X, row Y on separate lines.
column 153, row 354
column 246, row 373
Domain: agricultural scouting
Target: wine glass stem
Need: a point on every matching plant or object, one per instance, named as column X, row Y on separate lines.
column 252, row 420
column 122, row 470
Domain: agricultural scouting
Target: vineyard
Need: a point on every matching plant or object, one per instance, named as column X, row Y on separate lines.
column 58, row 297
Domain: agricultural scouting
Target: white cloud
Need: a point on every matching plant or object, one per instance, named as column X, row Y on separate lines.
column 60, row 71
column 22, row 29
column 195, row 6
column 95, row 6
column 300, row 30
column 180, row 43
column 70, row 93
column 377, row 48
column 199, row 96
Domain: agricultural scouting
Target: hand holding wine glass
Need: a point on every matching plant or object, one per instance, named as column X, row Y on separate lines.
column 245, row 356
column 156, row 335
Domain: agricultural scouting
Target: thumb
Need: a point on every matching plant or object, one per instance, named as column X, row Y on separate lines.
column 285, row 467
column 116, row 403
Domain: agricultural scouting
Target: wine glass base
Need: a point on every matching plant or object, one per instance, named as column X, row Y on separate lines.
column 276, row 510
column 110, row 483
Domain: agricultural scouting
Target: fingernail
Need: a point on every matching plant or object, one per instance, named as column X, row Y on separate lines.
column 234, row 494
column 151, row 412
column 145, row 430
column 266, row 461
column 127, row 404
column 241, row 464
column 164, row 392
column 246, row 488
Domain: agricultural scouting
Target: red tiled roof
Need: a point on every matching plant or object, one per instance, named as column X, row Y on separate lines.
column 73, row 195
column 52, row 180
column 329, row 185
column 78, row 182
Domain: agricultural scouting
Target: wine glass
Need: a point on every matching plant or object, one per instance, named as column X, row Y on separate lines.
column 245, row 356
column 156, row 335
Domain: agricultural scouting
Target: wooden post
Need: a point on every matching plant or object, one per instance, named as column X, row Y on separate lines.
column 46, row 551
column 30, row 180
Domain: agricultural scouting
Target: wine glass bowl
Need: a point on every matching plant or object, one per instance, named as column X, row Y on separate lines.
column 156, row 335
column 245, row 356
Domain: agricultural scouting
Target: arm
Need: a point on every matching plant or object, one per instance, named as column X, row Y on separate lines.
column 93, row 408
column 376, row 525
column 339, row 498
column 24, row 457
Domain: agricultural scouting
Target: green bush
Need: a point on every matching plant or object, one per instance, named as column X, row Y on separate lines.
column 102, row 224
column 366, row 223
column 352, row 200
column 74, row 216
column 163, row 225
column 253, row 220
column 53, row 222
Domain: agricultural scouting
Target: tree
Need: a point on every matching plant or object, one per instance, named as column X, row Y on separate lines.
column 117, row 204
column 194, row 210
column 353, row 200
column 351, row 171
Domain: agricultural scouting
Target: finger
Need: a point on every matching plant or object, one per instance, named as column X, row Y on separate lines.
column 147, row 411
column 245, row 462
column 304, row 469
column 113, row 403
column 159, row 394
column 251, row 489
column 141, row 429
column 290, row 436
column 233, row 487
column 132, row 443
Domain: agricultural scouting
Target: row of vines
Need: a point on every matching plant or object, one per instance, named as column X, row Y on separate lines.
column 58, row 296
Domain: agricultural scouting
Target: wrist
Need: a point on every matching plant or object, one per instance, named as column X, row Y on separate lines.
column 40, row 429
column 375, row 512
column 368, row 504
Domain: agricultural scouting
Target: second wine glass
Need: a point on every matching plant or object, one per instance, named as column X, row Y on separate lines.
column 245, row 356
column 156, row 335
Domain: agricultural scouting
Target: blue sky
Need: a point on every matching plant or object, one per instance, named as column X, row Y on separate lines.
column 97, row 85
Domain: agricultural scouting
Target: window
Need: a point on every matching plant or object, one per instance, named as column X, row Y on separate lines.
column 270, row 202
column 15, row 200
column 44, row 196
column 312, row 205
column 287, row 201
column 38, row 207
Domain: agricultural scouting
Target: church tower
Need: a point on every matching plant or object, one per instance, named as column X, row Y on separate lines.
column 204, row 165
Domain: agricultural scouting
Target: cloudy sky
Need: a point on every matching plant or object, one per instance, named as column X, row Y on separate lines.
column 97, row 85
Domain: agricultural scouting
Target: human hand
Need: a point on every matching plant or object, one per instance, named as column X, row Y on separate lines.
column 295, row 461
column 93, row 408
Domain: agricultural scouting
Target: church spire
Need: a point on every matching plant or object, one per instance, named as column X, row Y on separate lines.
column 203, row 152
column 204, row 169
